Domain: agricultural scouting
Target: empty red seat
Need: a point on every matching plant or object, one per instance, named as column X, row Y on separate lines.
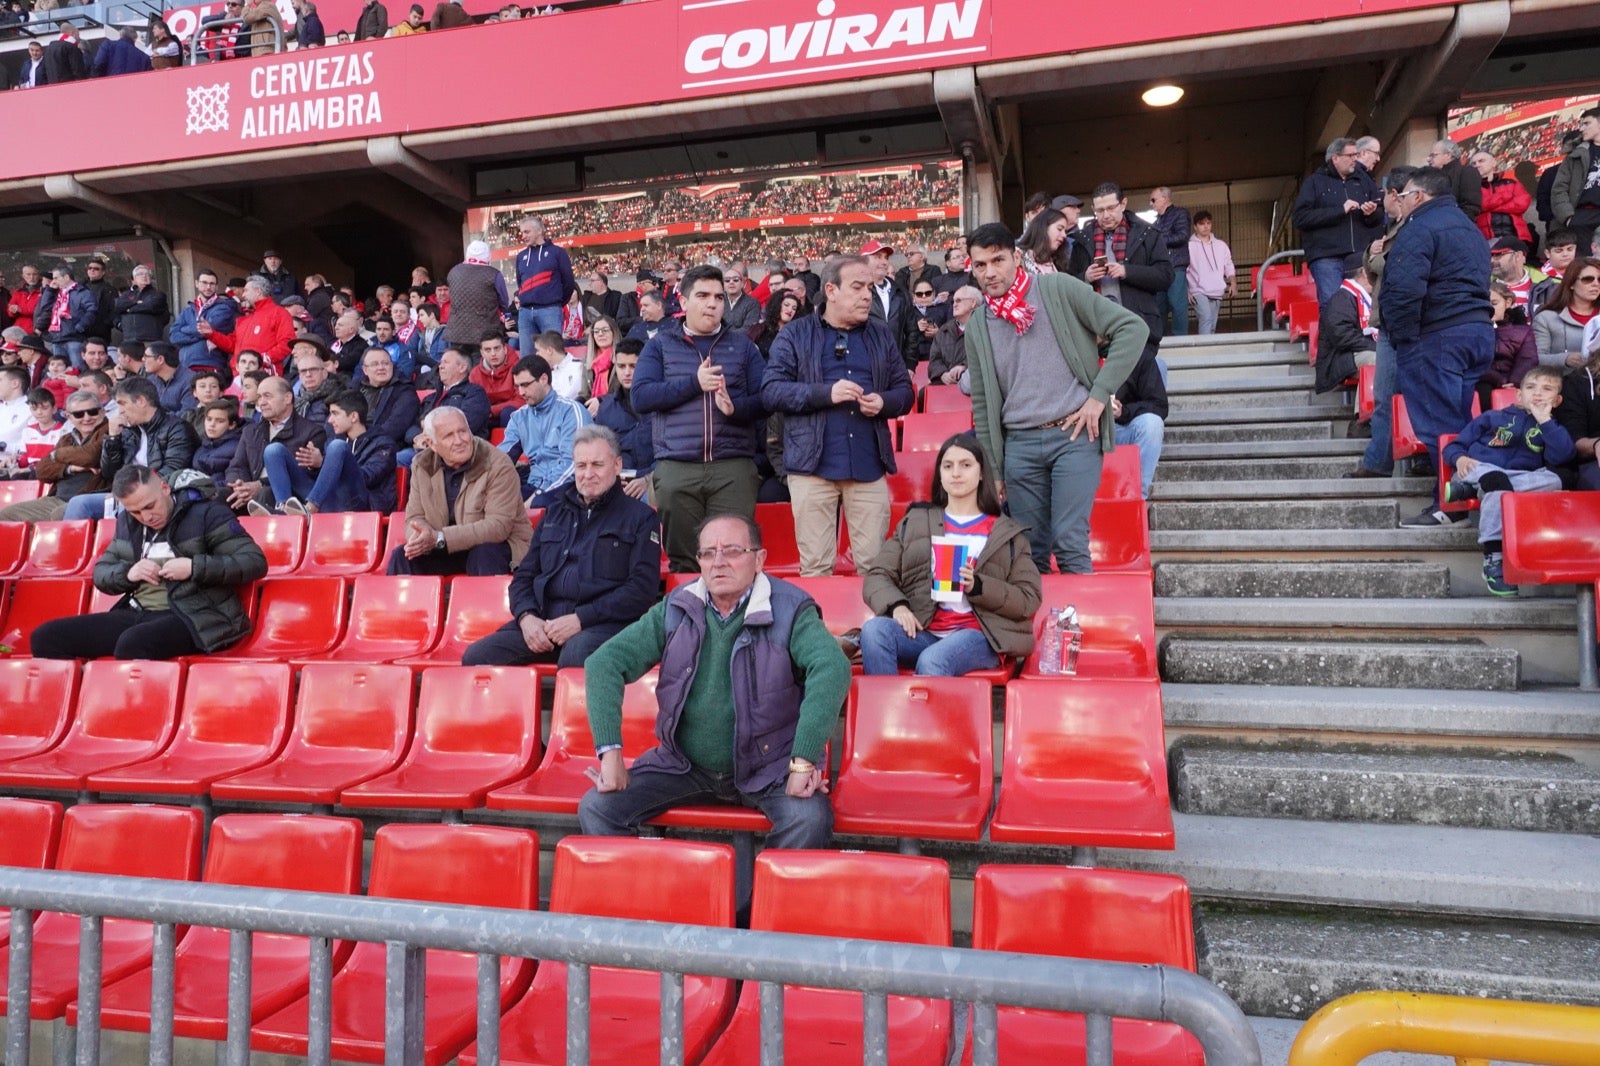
column 343, row 544
column 13, row 546
column 105, row 531
column 20, row 491
column 477, row 728
column 918, row 758
column 36, row 701
column 1111, row 915
column 294, row 618
column 1552, row 538
column 132, row 840
column 900, row 898
column 1302, row 314
column 559, row 782
column 1503, row 397
column 282, row 539
column 919, row 375
column 352, row 722
column 690, row 883
column 478, row 606
column 839, row 598
column 58, row 549
column 234, row 717
column 777, row 537
column 1404, row 438
column 473, row 866
column 126, row 711
column 912, row 479
column 1117, row 613
column 1366, row 391
column 1085, row 765
column 390, row 618
column 928, row 432
column 36, row 601
column 945, row 399
column 28, row 832
column 1119, row 474
column 304, row 853
column 1119, row 537
column 1447, row 471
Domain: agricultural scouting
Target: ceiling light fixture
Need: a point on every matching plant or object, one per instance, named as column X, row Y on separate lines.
column 1162, row 95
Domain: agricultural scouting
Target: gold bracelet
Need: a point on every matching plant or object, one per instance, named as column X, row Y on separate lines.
column 801, row 766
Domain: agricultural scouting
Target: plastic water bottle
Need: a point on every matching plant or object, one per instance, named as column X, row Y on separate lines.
column 1050, row 644
column 1071, row 638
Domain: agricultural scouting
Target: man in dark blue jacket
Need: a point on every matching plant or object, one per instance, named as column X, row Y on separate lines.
column 64, row 329
column 1339, row 211
column 837, row 377
column 702, row 382
column 392, row 406
column 593, row 567
column 634, row 431
column 544, row 284
column 355, row 473
column 1435, row 307
column 211, row 306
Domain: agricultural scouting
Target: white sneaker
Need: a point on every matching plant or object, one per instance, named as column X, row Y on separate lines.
column 259, row 509
column 293, row 506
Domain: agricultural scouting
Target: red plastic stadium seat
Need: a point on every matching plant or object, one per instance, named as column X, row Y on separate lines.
column 36, row 700
column 919, row 376
column 478, row 606
column 1085, row 765
column 1552, row 538
column 1366, row 391
column 107, row 838
column 1119, row 537
column 343, row 545
column 1501, row 398
column 234, row 717
column 690, row 883
column 474, row 866
column 900, row 898
column 477, row 728
column 126, row 712
column 777, row 536
column 105, row 531
column 58, row 549
column 918, row 759
column 927, row 433
column 352, row 722
column 36, row 601
column 282, row 538
column 294, row 618
column 1119, row 474
column 839, row 597
column 1117, row 612
column 1112, row 915
column 1405, row 440
column 559, row 782
column 1301, row 314
column 1446, row 472
column 390, row 618
column 304, row 853
column 20, row 491
column 943, row 399
column 28, row 832
column 13, row 546
column 913, row 477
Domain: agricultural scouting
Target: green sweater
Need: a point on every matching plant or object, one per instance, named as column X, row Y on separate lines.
column 705, row 733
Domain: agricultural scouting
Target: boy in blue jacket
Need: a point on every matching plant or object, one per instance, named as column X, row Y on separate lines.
column 1509, row 450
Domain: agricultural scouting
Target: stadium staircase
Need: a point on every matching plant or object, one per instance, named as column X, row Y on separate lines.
column 1382, row 776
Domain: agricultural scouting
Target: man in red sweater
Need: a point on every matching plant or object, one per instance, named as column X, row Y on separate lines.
column 493, row 376
column 262, row 325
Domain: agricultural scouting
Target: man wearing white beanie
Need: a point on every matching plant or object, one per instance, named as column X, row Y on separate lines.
column 478, row 300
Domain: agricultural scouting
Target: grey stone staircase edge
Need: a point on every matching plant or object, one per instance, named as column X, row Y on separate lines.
column 1170, row 491
column 1264, row 449
column 1457, row 538
column 1300, row 412
column 1480, row 614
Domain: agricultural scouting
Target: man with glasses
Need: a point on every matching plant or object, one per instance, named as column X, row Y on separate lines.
column 73, row 465
column 743, row 310
column 105, row 300
column 1465, row 184
column 923, row 322
column 1338, row 212
column 749, row 691
column 838, row 379
column 198, row 351
column 1130, row 264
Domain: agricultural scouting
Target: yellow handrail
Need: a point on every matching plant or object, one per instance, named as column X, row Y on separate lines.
column 1473, row 1031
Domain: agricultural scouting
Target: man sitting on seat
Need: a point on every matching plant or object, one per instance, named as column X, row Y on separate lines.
column 464, row 514
column 750, row 687
column 178, row 561
column 593, row 567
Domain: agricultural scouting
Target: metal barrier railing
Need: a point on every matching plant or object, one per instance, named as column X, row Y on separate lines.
column 214, row 38
column 877, row 970
column 1261, row 277
column 1472, row 1031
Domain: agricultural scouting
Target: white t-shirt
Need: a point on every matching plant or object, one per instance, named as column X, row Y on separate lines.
column 566, row 378
column 14, row 418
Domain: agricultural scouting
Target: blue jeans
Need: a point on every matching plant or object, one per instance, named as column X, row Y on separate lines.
column 1176, row 300
column 1379, row 457
column 1438, row 375
column 1145, row 431
column 71, row 349
column 284, row 476
column 1328, row 273
column 885, row 648
column 340, row 484
column 91, row 505
column 1050, row 485
column 532, row 321
column 796, row 822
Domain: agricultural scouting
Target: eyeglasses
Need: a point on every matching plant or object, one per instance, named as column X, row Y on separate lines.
column 1409, row 192
column 87, row 412
column 732, row 555
column 923, row 292
column 1588, row 279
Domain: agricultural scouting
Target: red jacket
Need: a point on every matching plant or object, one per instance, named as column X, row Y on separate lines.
column 502, row 393
column 1505, row 196
column 26, row 300
column 265, row 328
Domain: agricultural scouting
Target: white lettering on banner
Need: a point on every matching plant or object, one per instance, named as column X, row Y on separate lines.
column 299, row 96
column 919, row 27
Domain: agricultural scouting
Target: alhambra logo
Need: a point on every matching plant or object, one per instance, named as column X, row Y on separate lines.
column 208, row 109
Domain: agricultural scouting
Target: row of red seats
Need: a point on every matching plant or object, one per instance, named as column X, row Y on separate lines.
column 1084, row 762
column 1405, row 441
column 1042, row 910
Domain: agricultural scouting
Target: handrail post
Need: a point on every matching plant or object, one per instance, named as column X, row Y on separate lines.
column 1261, row 277
column 1348, row 1030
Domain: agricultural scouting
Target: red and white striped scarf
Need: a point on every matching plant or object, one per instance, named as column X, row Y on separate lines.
column 58, row 310
column 1363, row 306
column 1013, row 306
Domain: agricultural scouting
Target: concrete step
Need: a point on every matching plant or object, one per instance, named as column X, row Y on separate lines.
column 1333, row 542
column 1317, row 515
column 1249, row 431
column 1563, row 717
column 1466, row 614
column 1287, row 963
column 1440, row 869
column 1268, row 449
column 1252, row 340
column 1415, row 490
column 1249, row 380
column 1535, row 793
column 1268, row 392
column 1190, row 378
column 1398, row 579
column 1194, row 359
column 1327, row 467
column 1253, row 412
column 1459, row 664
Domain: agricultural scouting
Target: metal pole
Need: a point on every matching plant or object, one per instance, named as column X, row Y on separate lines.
column 90, row 948
column 985, row 1034
column 18, row 987
column 671, row 1019
column 404, row 974
column 1097, row 1039
column 237, row 1049
column 1587, row 668
column 875, row 1030
column 488, row 1008
column 163, row 975
column 319, row 1004
column 577, row 1014
column 771, row 1024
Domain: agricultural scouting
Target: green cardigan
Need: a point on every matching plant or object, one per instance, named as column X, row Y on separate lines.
column 1079, row 316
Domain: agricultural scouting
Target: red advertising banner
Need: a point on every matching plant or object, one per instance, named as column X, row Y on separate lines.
column 807, row 221
column 481, row 75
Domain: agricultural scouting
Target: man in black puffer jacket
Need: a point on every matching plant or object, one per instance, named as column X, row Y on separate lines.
column 178, row 562
column 141, row 433
column 1339, row 211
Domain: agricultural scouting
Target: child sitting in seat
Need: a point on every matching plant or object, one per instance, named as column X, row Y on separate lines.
column 1509, row 450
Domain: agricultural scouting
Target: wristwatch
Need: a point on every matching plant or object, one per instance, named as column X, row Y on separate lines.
column 438, row 541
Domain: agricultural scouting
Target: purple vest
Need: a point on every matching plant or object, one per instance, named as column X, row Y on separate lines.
column 766, row 694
